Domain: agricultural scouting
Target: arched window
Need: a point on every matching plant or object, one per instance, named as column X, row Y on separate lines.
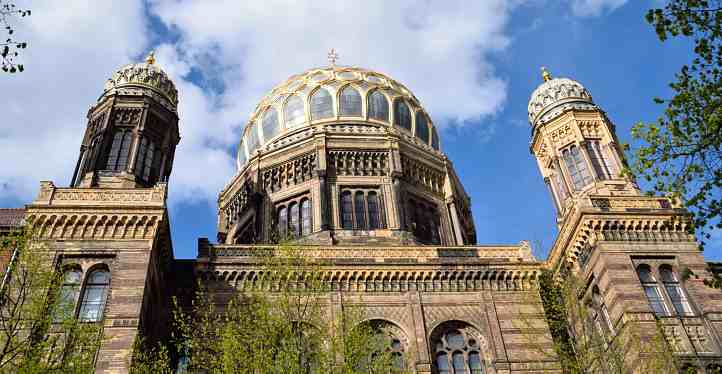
column 577, row 167
column 293, row 112
column 270, row 124
column 457, row 349
column 346, row 211
column 68, row 295
column 242, row 154
column 374, row 211
column 94, row 295
column 675, row 292
column 321, row 105
column 402, row 115
column 651, row 290
column 350, row 102
column 118, row 156
column 434, row 138
column 378, row 106
column 422, row 127
column 252, row 139
column 561, row 186
column 305, row 216
column 293, row 212
column 282, row 222
column 598, row 159
column 148, row 160
column 360, row 208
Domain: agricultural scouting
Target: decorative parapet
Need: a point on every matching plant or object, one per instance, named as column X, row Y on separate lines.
column 154, row 197
column 629, row 203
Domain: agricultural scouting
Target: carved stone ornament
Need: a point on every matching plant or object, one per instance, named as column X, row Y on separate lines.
column 143, row 75
column 556, row 92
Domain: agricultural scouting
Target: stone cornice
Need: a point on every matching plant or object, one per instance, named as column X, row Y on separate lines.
column 51, row 196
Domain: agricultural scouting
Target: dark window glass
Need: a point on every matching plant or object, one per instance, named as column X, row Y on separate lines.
column 378, row 106
column 577, row 167
column 360, row 208
column 293, row 112
column 434, row 138
column 94, row 296
column 595, row 153
column 114, row 150
column 293, row 212
column 457, row 361
column 321, row 104
column 374, row 213
column 305, row 217
column 270, row 124
column 350, row 102
column 422, row 127
column 118, row 156
column 124, row 151
column 148, row 161
column 155, row 172
column 140, row 157
column 674, row 291
column 475, row 363
column 402, row 116
column 282, row 223
column 442, row 363
column 651, row 290
column 559, row 183
column 346, row 211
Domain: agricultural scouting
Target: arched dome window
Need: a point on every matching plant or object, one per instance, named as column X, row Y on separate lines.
column 402, row 115
column 94, row 295
column 321, row 104
column 252, row 137
column 434, row 138
column 422, row 127
column 242, row 153
column 293, row 112
column 270, row 124
column 350, row 102
column 378, row 106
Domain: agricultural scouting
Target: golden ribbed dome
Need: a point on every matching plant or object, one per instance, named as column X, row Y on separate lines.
column 143, row 75
column 555, row 95
column 332, row 94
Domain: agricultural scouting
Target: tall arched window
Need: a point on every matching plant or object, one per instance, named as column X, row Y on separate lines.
column 422, row 127
column 350, row 102
column 252, row 139
column 118, row 156
column 242, row 158
column 457, row 349
column 321, row 104
column 282, row 222
column 293, row 213
column 598, row 159
column 293, row 112
column 148, row 160
column 577, row 167
column 559, row 184
column 402, row 115
column 600, row 315
column 651, row 290
column 675, row 292
column 374, row 211
column 378, row 106
column 270, row 124
column 305, row 217
column 95, row 294
column 346, row 210
column 360, row 210
column 68, row 295
column 434, row 138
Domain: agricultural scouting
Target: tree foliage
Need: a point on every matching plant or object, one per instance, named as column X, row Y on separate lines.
column 9, row 46
column 39, row 333
column 681, row 153
column 286, row 328
column 584, row 344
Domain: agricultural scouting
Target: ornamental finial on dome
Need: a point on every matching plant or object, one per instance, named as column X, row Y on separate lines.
column 332, row 57
column 545, row 74
column 150, row 60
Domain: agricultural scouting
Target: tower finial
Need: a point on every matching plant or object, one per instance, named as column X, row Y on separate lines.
column 332, row 57
column 150, row 60
column 545, row 74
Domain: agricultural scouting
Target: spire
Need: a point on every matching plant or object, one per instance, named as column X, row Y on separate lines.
column 545, row 74
column 150, row 60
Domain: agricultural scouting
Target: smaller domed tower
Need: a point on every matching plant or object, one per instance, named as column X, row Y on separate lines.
column 132, row 130
column 574, row 144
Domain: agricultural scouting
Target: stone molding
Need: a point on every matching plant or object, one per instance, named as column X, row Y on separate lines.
column 50, row 195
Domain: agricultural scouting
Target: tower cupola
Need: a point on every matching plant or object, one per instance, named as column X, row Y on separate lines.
column 132, row 130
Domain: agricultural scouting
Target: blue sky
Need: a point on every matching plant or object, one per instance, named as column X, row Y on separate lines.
column 472, row 65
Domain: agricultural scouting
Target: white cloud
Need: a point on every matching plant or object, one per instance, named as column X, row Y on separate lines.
column 72, row 50
column 440, row 50
column 590, row 8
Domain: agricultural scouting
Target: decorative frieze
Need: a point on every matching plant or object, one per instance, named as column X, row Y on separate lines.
column 238, row 202
column 630, row 203
column 359, row 163
column 51, row 195
column 127, row 116
column 289, row 173
column 561, row 135
column 422, row 175
column 94, row 226
column 590, row 129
